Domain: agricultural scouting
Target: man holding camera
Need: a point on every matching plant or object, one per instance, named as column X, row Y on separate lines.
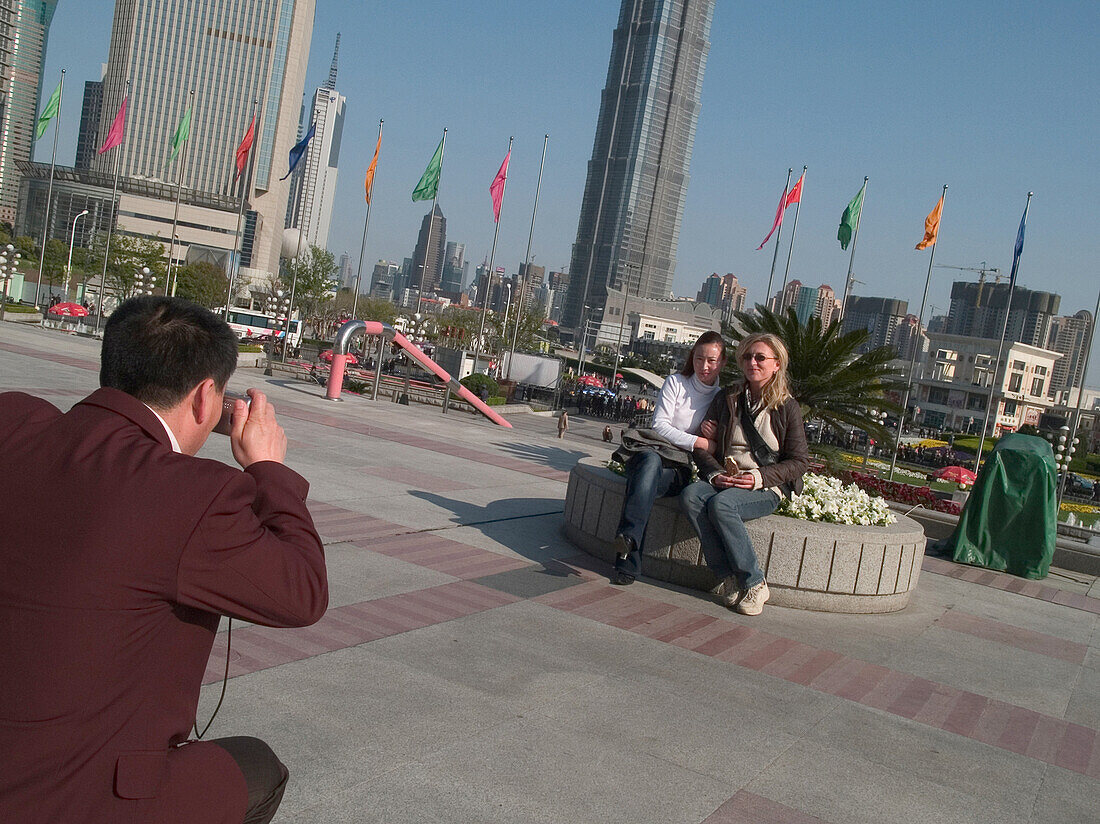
column 122, row 552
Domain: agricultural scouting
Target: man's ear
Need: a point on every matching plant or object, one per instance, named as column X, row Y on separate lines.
column 206, row 403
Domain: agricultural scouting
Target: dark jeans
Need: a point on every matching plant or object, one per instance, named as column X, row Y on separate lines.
column 719, row 520
column 264, row 774
column 647, row 479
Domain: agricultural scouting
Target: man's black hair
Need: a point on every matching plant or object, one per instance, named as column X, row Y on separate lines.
column 159, row 348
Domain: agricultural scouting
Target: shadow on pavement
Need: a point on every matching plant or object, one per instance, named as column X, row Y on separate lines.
column 553, row 456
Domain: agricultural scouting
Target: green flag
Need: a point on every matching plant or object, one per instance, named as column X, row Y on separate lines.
column 183, row 131
column 49, row 113
column 850, row 219
column 429, row 181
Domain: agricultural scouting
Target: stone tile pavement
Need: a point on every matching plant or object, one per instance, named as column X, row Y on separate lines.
column 473, row 667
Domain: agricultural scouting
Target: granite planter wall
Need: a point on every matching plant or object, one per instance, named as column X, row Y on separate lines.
column 809, row 565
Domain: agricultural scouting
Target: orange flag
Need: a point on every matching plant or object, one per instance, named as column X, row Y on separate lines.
column 931, row 226
column 368, row 184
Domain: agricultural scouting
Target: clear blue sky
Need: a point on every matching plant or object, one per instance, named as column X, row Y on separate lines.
column 993, row 97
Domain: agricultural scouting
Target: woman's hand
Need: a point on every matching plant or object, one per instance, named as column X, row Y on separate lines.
column 744, row 480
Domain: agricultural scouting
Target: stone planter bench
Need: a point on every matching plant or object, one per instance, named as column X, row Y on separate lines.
column 809, row 565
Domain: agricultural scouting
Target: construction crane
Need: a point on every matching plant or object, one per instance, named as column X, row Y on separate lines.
column 982, row 271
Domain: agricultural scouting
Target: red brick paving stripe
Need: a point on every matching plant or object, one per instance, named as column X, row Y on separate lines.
column 1025, row 639
column 642, row 616
column 750, row 808
column 487, row 563
column 996, row 723
column 417, row 480
column 257, row 648
column 1011, row 583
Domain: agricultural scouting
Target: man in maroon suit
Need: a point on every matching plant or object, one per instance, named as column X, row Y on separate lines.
column 123, row 551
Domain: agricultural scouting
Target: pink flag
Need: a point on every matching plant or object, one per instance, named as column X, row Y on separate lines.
column 778, row 219
column 496, row 188
column 114, row 136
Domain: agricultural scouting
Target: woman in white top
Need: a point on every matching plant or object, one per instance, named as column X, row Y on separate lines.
column 681, row 405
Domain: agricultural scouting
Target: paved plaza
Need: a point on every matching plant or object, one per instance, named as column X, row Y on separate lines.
column 473, row 667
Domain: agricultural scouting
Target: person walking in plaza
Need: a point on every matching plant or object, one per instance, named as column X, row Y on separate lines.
column 681, row 406
column 563, row 424
column 127, row 553
column 763, row 452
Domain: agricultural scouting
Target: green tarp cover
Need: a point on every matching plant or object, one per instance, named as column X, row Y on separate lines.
column 1009, row 522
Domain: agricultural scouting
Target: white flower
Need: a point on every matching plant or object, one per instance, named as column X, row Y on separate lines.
column 826, row 499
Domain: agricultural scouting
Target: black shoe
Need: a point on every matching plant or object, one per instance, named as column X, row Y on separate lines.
column 621, row 579
column 624, row 546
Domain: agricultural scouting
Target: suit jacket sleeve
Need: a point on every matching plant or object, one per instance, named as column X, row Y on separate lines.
column 794, row 452
column 707, row 463
column 255, row 553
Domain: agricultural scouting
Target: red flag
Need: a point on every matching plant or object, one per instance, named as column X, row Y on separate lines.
column 496, row 188
column 115, row 134
column 778, row 219
column 795, row 194
column 243, row 149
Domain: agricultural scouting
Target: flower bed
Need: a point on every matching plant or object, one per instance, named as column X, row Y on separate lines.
column 901, row 492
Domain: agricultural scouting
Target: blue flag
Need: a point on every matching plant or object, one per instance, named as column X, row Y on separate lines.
column 299, row 150
column 1019, row 245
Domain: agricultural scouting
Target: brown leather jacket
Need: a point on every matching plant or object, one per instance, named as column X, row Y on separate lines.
column 786, row 421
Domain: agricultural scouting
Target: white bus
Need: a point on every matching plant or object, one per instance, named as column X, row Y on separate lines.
column 251, row 325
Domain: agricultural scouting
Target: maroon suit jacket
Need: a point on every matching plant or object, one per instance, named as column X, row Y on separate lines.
column 117, row 557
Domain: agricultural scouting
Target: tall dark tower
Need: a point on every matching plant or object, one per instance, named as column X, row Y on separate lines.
column 431, row 259
column 638, row 175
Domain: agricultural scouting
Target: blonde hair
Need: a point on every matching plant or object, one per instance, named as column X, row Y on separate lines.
column 776, row 391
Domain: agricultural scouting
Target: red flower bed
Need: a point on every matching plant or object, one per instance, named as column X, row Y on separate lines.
column 901, row 492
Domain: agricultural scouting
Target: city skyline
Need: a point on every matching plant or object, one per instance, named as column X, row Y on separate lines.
column 995, row 106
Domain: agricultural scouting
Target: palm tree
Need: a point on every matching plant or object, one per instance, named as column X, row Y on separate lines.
column 828, row 378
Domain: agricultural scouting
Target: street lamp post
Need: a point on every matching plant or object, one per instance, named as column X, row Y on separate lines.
column 144, row 282
column 69, row 264
column 9, row 260
column 1064, row 446
column 877, row 417
column 279, row 306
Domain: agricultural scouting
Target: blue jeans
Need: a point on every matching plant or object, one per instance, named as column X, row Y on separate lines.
column 719, row 520
column 647, row 479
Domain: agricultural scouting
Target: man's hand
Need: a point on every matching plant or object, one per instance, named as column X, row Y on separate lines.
column 708, row 429
column 256, row 436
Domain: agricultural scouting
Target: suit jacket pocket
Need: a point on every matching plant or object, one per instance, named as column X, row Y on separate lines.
column 140, row 774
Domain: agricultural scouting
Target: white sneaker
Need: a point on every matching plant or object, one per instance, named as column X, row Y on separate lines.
column 753, row 601
column 729, row 592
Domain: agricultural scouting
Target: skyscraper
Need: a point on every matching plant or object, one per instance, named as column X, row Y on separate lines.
column 454, row 269
column 978, row 310
column 314, row 182
column 24, row 28
column 637, row 178
column 427, row 263
column 231, row 53
column 90, row 112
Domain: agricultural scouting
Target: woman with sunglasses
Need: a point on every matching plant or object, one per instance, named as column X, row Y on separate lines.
column 681, row 405
column 750, row 470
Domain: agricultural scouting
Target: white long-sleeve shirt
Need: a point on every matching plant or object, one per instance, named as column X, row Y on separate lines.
column 680, row 408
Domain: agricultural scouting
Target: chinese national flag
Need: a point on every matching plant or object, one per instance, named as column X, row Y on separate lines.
column 245, row 147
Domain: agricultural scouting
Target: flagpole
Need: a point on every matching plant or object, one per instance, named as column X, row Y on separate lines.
column 778, row 232
column 431, row 225
column 363, row 247
column 794, row 229
column 527, row 260
column 246, row 185
column 916, row 346
column 294, row 271
column 492, row 261
column 176, row 214
column 1000, row 347
column 1080, row 397
column 49, row 190
column 111, row 223
column 852, row 259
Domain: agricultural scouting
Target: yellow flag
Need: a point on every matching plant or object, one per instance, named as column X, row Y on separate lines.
column 931, row 226
column 368, row 184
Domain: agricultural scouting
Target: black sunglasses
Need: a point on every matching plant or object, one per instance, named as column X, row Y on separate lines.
column 759, row 357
